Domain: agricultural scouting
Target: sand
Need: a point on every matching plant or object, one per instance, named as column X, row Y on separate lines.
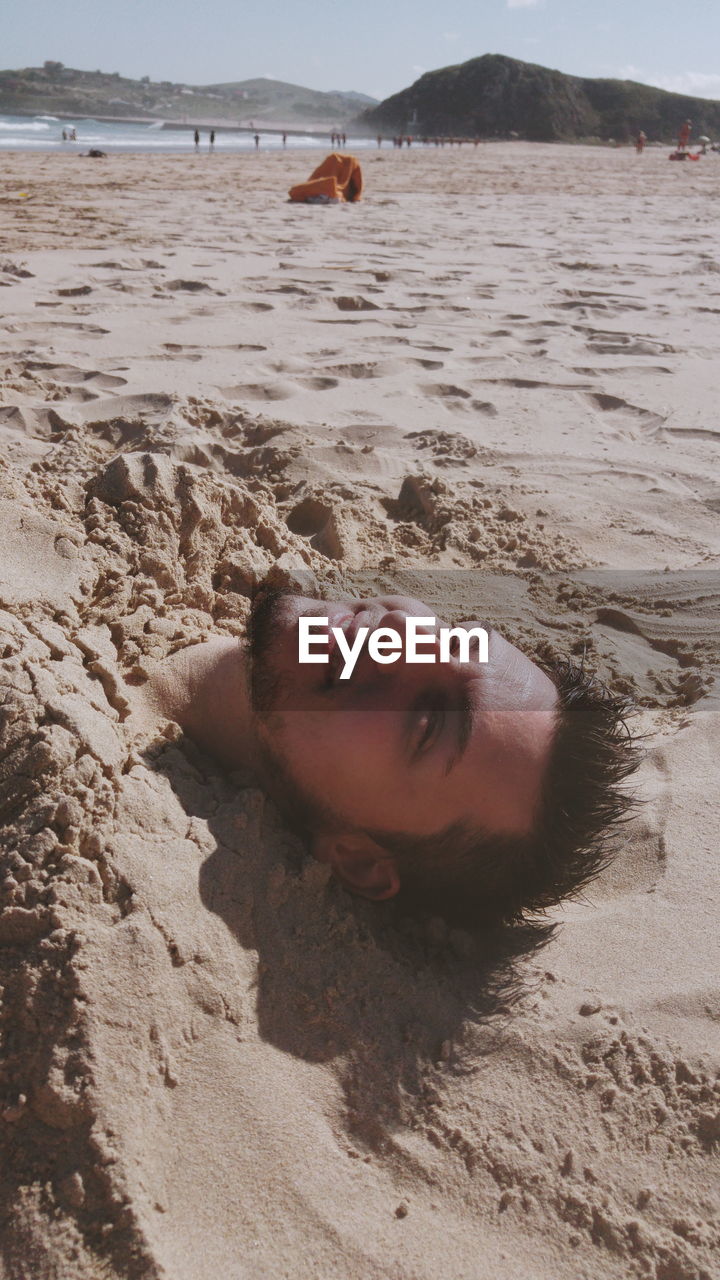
column 497, row 376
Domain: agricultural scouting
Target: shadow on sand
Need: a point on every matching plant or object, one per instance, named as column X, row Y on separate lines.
column 388, row 1000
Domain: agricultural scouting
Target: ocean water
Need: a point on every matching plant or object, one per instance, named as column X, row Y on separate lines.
column 44, row 133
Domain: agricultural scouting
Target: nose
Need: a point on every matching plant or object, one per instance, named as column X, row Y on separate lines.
column 397, row 620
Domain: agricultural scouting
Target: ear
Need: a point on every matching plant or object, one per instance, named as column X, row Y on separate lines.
column 360, row 864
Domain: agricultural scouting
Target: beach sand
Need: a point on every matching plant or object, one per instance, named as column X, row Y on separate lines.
column 215, row 1064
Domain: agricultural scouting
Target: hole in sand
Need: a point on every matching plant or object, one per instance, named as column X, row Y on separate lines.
column 308, row 517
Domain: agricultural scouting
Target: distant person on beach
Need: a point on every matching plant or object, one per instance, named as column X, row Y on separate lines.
column 257, row 141
column 64, row 135
column 284, row 139
column 212, row 139
column 379, row 141
column 196, row 139
column 640, row 142
column 684, row 135
column 481, row 786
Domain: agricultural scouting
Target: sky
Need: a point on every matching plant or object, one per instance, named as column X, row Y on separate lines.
column 372, row 46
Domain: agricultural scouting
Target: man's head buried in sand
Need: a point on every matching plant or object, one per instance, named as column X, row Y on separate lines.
column 481, row 791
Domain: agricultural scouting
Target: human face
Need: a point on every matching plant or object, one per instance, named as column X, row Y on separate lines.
column 403, row 748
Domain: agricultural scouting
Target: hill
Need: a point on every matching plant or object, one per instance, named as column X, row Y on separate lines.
column 494, row 96
column 59, row 90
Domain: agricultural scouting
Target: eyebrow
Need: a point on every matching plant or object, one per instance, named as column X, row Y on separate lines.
column 465, row 717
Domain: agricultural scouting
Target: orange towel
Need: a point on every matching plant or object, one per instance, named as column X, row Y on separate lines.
column 339, row 177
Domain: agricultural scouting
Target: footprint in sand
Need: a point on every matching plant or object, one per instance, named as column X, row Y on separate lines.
column 72, row 376
column 176, row 351
column 589, row 302
column 129, row 264
column 277, row 390
column 355, row 303
column 253, row 306
column 529, row 384
column 318, row 383
column 632, row 370
column 446, row 391
column 15, row 271
column 368, row 369
column 89, row 330
column 628, row 420
column 188, row 286
column 292, row 288
column 381, row 368
column 259, row 391
column 623, row 344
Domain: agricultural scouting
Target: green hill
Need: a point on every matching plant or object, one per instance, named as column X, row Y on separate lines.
column 494, row 96
column 58, row 90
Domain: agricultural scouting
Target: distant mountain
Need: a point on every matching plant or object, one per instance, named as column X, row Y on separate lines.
column 356, row 97
column 494, row 96
column 275, row 100
column 59, row 90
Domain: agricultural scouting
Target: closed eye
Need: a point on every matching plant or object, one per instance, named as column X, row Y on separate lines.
column 428, row 720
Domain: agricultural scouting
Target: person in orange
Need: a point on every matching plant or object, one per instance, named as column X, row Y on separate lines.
column 684, row 135
column 339, row 177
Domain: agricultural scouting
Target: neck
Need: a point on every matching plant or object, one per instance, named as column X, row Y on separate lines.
column 204, row 688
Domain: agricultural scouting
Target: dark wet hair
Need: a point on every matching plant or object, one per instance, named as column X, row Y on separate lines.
column 488, row 880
